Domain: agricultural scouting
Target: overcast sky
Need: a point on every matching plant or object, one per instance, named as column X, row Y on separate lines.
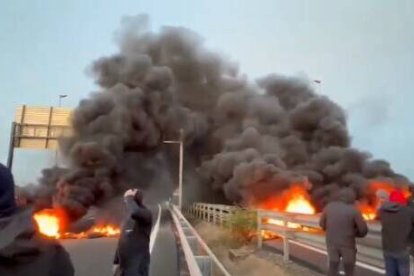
column 363, row 51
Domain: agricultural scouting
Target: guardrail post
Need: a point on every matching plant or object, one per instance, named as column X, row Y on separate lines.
column 259, row 230
column 207, row 212
column 214, row 215
column 198, row 211
column 285, row 239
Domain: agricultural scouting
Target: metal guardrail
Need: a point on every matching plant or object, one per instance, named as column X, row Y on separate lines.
column 308, row 233
column 201, row 261
column 215, row 213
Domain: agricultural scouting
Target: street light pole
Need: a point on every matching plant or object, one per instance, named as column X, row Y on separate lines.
column 61, row 96
column 180, row 170
column 180, row 166
column 319, row 83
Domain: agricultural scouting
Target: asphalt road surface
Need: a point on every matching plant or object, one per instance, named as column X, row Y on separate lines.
column 94, row 257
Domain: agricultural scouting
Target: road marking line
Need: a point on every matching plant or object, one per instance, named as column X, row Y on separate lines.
column 155, row 230
column 366, row 266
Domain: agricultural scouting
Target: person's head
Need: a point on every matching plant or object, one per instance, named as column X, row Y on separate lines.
column 346, row 195
column 397, row 196
column 7, row 199
column 383, row 195
column 139, row 197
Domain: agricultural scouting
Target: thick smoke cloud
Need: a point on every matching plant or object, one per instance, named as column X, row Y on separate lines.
column 247, row 140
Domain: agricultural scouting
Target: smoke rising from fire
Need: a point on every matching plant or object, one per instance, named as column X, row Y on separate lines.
column 248, row 139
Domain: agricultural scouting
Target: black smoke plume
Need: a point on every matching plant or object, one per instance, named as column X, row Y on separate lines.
column 246, row 140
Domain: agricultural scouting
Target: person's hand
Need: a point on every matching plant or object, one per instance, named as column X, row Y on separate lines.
column 130, row 192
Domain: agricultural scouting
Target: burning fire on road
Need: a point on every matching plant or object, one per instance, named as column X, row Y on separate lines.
column 52, row 223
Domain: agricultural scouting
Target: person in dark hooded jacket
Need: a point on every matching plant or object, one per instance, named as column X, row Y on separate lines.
column 397, row 222
column 132, row 257
column 23, row 251
column 342, row 222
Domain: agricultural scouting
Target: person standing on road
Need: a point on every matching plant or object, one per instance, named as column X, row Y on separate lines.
column 342, row 222
column 23, row 251
column 397, row 222
column 132, row 257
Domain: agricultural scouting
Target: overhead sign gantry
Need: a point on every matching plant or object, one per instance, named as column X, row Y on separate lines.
column 38, row 128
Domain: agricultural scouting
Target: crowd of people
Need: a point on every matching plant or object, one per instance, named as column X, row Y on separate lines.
column 23, row 251
column 343, row 223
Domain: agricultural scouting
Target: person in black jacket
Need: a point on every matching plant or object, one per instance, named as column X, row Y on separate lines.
column 132, row 257
column 342, row 222
column 23, row 251
column 397, row 222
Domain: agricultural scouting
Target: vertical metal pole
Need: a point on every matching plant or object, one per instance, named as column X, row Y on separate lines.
column 214, row 215
column 180, row 170
column 11, row 146
column 285, row 240
column 57, row 143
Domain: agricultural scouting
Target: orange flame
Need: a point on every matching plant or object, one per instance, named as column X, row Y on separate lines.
column 300, row 203
column 110, row 231
column 293, row 200
column 52, row 222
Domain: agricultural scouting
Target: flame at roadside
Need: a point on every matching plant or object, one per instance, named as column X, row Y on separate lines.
column 52, row 223
column 109, row 231
column 292, row 200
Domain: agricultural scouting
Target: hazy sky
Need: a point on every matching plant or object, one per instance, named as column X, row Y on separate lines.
column 363, row 51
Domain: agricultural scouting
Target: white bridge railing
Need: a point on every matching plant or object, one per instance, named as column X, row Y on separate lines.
column 200, row 260
column 299, row 229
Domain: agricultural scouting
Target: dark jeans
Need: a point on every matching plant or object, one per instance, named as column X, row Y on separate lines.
column 397, row 266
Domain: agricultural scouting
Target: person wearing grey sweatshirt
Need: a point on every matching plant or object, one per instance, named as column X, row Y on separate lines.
column 343, row 222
